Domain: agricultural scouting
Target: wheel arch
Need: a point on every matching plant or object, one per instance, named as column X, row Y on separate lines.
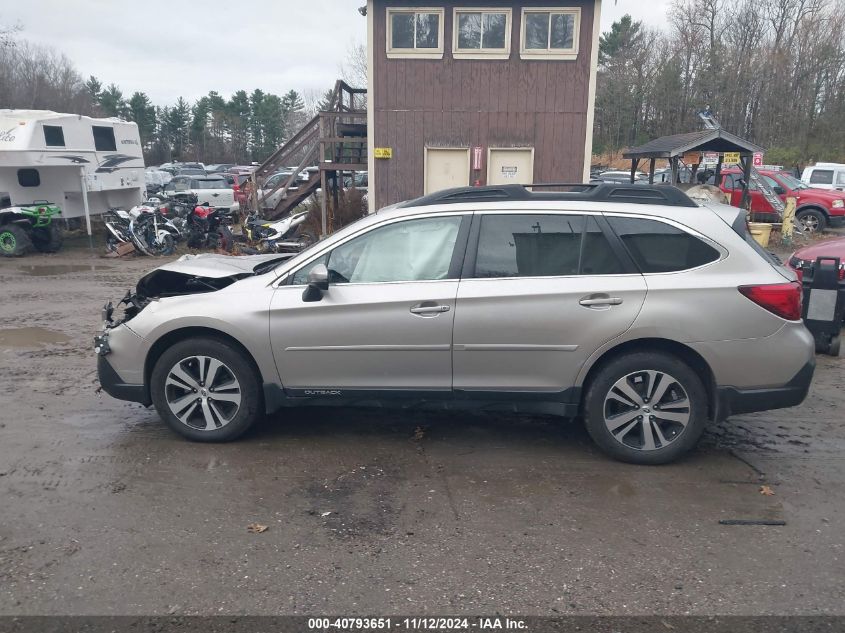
column 175, row 336
column 667, row 346
column 813, row 206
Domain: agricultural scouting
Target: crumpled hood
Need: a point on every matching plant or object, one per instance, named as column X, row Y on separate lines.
column 213, row 266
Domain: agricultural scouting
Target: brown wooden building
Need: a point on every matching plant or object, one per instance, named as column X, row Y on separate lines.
column 468, row 92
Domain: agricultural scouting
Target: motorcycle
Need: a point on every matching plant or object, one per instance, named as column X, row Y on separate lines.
column 283, row 235
column 145, row 226
column 116, row 221
column 208, row 227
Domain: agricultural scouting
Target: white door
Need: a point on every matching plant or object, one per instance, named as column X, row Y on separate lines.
column 510, row 166
column 446, row 168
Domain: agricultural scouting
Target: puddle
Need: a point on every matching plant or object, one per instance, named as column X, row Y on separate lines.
column 58, row 269
column 30, row 337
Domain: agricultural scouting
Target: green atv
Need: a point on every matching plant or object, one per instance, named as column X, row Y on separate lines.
column 22, row 228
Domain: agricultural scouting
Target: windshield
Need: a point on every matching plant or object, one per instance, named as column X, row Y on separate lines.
column 791, row 182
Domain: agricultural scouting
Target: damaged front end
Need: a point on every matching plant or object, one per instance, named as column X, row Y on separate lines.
column 188, row 275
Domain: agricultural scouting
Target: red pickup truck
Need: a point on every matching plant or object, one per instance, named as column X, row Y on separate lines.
column 816, row 210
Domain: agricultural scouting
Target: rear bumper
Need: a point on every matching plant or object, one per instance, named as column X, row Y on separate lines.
column 116, row 388
column 732, row 401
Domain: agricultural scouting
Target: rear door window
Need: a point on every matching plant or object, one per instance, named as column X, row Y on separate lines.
column 543, row 245
column 657, row 247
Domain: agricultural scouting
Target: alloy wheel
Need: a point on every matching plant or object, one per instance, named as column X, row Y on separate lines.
column 203, row 393
column 809, row 223
column 646, row 410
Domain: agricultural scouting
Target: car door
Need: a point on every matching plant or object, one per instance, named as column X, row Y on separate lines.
column 541, row 292
column 385, row 322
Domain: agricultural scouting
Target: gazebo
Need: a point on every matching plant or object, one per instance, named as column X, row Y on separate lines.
column 690, row 148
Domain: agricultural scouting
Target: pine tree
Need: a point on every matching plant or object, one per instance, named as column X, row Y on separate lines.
column 112, row 102
column 143, row 113
column 178, row 120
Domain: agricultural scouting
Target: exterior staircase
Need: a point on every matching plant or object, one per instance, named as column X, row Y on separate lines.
column 335, row 140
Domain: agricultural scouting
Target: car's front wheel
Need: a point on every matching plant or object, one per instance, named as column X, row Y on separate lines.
column 812, row 220
column 206, row 390
column 646, row 408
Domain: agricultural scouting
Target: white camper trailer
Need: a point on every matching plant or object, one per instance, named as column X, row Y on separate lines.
column 82, row 164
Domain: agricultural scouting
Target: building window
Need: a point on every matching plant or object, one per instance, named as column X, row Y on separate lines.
column 29, row 178
column 54, row 136
column 550, row 33
column 482, row 33
column 415, row 33
column 104, row 138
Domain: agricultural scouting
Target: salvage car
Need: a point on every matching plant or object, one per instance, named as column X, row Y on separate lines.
column 806, row 257
column 630, row 306
column 816, row 209
column 212, row 190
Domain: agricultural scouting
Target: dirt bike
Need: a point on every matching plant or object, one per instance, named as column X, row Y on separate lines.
column 283, row 235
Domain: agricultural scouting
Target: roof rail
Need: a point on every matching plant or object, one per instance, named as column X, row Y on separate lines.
column 593, row 192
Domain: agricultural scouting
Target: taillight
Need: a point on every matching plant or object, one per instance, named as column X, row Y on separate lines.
column 784, row 300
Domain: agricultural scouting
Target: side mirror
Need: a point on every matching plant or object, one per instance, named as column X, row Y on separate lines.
column 779, row 190
column 318, row 282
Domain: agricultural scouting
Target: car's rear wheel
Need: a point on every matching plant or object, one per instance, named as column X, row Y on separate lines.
column 646, row 408
column 206, row 390
column 812, row 220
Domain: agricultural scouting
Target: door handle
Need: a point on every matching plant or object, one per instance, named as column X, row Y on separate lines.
column 601, row 301
column 429, row 310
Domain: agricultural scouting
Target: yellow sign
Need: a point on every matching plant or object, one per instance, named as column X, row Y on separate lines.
column 383, row 152
column 730, row 158
column 692, row 158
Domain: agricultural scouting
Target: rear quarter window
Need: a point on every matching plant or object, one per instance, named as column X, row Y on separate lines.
column 657, row 247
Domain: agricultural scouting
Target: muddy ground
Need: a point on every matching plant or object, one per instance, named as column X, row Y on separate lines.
column 104, row 511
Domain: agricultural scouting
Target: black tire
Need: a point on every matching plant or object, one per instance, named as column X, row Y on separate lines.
column 14, row 241
column 166, row 247
column 833, row 348
column 236, row 366
column 678, row 442
column 48, row 239
column 812, row 220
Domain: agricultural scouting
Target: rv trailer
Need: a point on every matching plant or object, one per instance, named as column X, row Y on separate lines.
column 84, row 165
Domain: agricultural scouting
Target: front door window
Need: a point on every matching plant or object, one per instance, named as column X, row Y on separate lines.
column 414, row 250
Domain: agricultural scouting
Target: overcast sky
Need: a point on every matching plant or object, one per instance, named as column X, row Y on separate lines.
column 172, row 48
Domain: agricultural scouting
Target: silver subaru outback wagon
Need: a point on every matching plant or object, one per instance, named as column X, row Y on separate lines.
column 633, row 307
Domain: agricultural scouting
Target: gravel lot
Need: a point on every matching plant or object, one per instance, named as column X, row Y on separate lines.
column 104, row 511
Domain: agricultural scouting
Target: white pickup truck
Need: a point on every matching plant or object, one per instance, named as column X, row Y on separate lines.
column 214, row 190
